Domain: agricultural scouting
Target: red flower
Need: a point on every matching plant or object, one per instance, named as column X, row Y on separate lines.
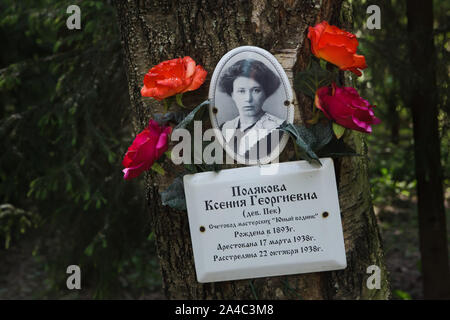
column 148, row 146
column 336, row 46
column 346, row 107
column 172, row 77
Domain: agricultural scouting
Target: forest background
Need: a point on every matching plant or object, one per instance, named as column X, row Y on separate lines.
column 65, row 124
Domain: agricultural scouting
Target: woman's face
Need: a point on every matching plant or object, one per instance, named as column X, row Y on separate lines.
column 248, row 95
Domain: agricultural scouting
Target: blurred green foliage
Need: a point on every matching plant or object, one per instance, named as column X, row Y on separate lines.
column 385, row 84
column 15, row 222
column 65, row 125
column 402, row 295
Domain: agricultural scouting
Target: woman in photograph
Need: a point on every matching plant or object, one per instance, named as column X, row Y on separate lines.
column 249, row 83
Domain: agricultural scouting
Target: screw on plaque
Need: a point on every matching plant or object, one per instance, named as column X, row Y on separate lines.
column 202, row 229
column 325, row 214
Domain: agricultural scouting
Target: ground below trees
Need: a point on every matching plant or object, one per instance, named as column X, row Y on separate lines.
column 24, row 276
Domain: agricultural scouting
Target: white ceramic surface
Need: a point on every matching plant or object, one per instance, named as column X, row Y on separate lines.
column 241, row 228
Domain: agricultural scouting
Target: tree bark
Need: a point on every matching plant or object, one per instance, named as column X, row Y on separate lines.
column 206, row 30
column 422, row 99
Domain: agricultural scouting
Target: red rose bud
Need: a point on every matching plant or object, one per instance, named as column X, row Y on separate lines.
column 172, row 77
column 148, row 146
column 346, row 107
column 336, row 46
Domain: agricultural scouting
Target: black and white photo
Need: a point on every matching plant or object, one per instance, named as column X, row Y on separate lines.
column 249, row 91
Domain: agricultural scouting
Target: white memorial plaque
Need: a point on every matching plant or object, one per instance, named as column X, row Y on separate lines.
column 248, row 223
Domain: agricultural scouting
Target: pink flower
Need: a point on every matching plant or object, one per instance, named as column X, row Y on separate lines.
column 147, row 147
column 346, row 107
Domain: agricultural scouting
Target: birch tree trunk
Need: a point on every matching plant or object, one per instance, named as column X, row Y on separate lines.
column 154, row 31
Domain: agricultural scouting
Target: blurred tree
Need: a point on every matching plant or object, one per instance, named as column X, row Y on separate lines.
column 423, row 101
column 64, row 128
column 400, row 80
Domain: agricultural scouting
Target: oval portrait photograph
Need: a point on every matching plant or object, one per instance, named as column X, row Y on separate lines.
column 250, row 98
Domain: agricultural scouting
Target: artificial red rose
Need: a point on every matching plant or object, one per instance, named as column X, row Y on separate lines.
column 147, row 147
column 172, row 77
column 336, row 46
column 346, row 107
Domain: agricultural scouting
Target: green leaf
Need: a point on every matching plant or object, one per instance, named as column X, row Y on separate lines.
column 191, row 168
column 190, row 117
column 69, row 186
column 310, row 140
column 174, row 196
column 89, row 249
column 166, row 105
column 402, row 295
column 337, row 148
column 90, row 26
column 322, row 133
column 111, row 157
column 304, row 139
column 338, row 130
column 178, row 98
column 313, row 78
column 172, row 116
column 158, row 169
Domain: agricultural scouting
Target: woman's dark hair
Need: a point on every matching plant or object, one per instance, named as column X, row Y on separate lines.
column 253, row 69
